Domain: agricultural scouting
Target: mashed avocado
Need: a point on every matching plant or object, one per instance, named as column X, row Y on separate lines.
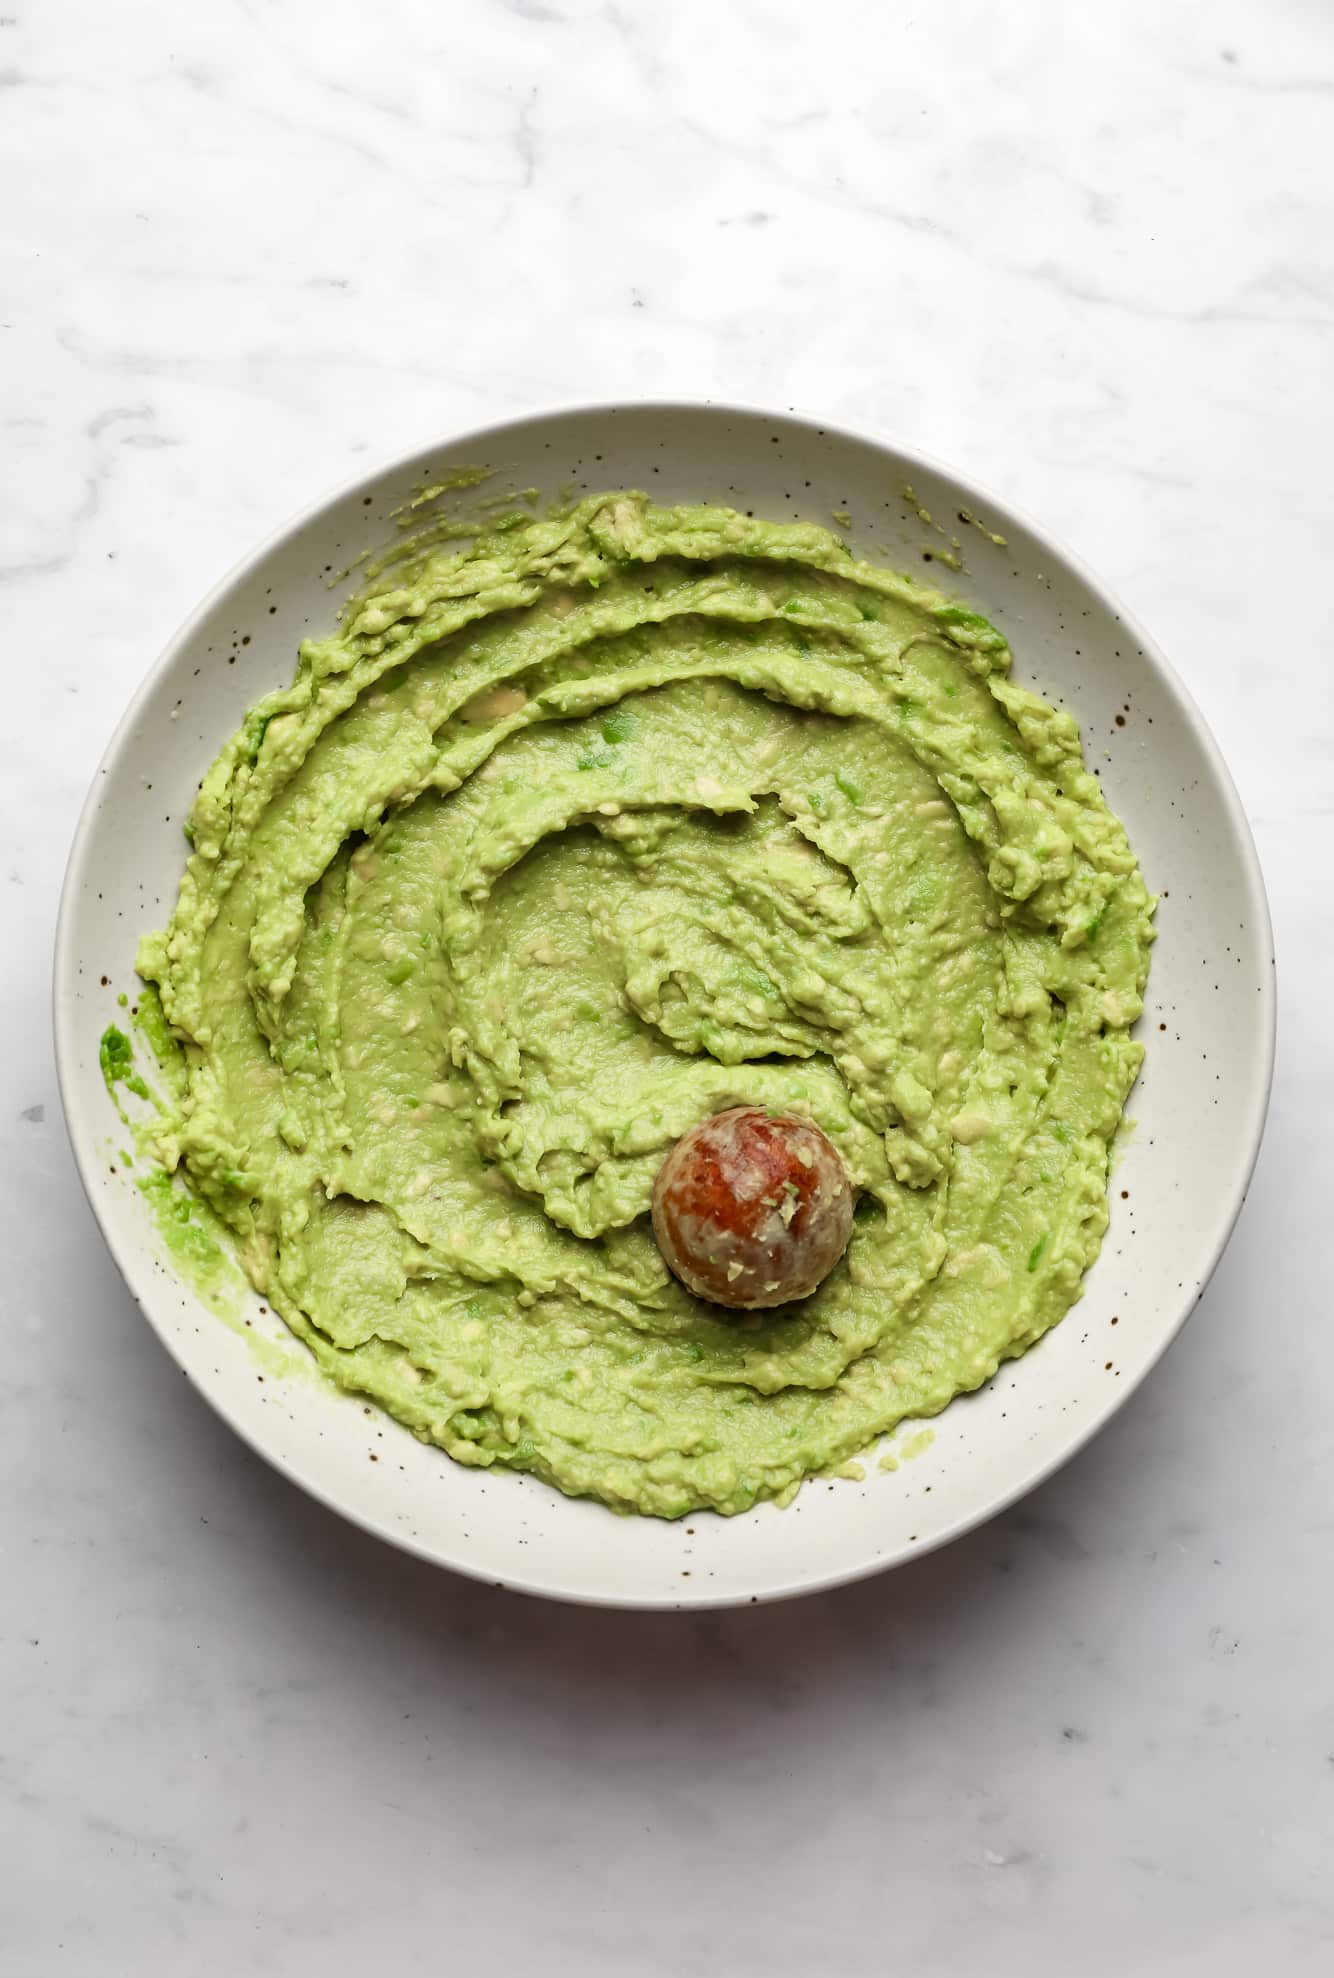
column 561, row 844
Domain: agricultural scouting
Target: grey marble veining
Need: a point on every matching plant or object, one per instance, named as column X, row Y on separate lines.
column 1085, row 253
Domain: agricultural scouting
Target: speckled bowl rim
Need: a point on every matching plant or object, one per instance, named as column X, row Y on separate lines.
column 1260, row 1071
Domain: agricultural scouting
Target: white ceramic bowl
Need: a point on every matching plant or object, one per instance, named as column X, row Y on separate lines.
column 1199, row 1107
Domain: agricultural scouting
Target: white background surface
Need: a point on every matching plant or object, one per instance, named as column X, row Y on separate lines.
column 1087, row 254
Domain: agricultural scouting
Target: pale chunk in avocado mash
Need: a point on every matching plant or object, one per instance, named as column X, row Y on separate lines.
column 561, row 844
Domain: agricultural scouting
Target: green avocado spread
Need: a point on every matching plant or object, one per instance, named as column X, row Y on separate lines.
column 566, row 841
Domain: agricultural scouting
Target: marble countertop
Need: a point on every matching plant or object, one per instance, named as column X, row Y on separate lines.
column 1084, row 253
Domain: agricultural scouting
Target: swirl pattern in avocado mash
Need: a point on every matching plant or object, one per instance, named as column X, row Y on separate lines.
column 568, row 840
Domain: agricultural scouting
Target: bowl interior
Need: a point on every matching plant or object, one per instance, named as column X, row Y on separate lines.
column 1197, row 1111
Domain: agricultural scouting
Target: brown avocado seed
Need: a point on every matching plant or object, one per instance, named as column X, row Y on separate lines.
column 752, row 1208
